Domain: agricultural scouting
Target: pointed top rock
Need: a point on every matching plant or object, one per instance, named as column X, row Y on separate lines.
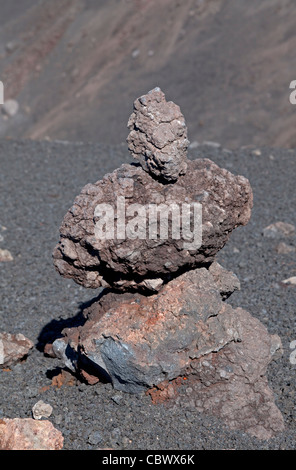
column 158, row 136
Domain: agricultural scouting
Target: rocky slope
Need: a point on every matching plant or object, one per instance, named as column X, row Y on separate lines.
column 75, row 66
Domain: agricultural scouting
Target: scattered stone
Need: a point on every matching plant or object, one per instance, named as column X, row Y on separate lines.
column 290, row 281
column 13, row 348
column 5, row 255
column 209, row 143
column 257, row 153
column 115, row 435
column 10, row 108
column 117, row 398
column 135, row 53
column 227, row 151
column 63, row 378
column 279, row 230
column 29, row 434
column 11, row 46
column 41, row 410
column 283, row 249
column 95, row 438
column 125, row 441
column 193, row 145
column 48, row 351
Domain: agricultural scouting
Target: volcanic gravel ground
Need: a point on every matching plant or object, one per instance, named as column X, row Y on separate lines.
column 39, row 181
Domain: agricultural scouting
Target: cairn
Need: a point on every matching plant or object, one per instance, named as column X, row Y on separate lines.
column 148, row 235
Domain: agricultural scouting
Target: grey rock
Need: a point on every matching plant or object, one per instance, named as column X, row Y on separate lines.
column 284, row 249
column 95, row 438
column 226, row 281
column 187, row 329
column 279, row 230
column 117, row 398
column 158, row 136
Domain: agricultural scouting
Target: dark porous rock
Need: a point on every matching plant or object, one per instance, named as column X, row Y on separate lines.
column 139, row 341
column 158, row 136
column 186, row 329
column 137, row 260
column 148, row 233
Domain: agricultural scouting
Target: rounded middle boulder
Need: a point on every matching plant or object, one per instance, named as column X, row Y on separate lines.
column 138, row 227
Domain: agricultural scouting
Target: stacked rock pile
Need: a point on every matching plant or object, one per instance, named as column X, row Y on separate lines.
column 148, row 234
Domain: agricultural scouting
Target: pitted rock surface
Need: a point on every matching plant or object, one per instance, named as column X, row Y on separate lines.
column 138, row 342
column 144, row 263
column 158, row 136
column 162, row 313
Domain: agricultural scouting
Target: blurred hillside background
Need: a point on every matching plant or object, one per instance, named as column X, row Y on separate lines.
column 76, row 66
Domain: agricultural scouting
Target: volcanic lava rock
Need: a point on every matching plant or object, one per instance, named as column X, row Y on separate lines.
column 138, row 341
column 134, row 253
column 186, row 329
column 28, row 434
column 13, row 348
column 232, row 384
column 158, row 136
column 149, row 233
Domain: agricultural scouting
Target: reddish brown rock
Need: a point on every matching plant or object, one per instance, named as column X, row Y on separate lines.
column 145, row 263
column 185, row 330
column 145, row 222
column 138, row 341
column 13, row 348
column 28, row 434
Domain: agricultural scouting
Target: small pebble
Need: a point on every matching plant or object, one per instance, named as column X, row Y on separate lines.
column 95, row 438
column 41, row 410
